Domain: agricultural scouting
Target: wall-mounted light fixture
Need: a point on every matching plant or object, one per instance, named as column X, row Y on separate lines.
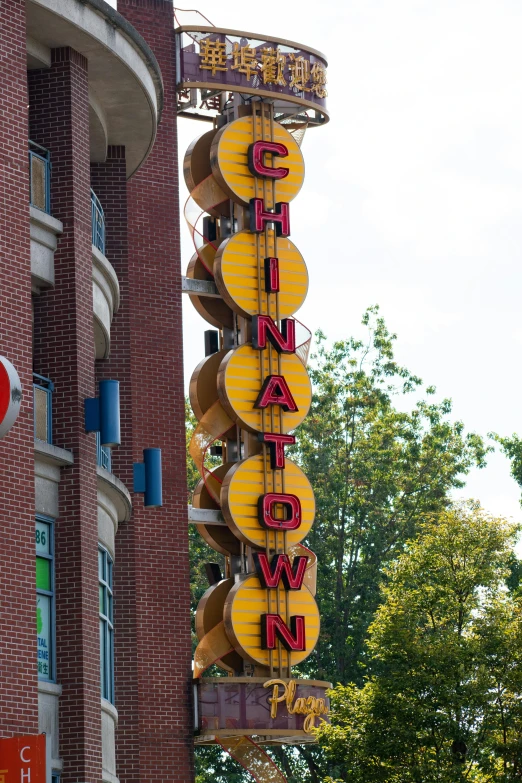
column 102, row 414
column 147, row 478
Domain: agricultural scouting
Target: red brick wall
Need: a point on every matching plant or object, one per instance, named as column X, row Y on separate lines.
column 161, row 671
column 18, row 683
column 110, row 184
column 64, row 351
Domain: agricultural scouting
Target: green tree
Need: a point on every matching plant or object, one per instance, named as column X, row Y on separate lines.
column 213, row 765
column 443, row 701
column 512, row 448
column 377, row 462
column 200, row 552
column 376, row 465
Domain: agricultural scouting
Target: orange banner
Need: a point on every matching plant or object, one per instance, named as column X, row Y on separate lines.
column 23, row 759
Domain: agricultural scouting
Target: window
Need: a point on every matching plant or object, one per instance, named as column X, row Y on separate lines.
column 39, row 177
column 45, row 598
column 106, row 625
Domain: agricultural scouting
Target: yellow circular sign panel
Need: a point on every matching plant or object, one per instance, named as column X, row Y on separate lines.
column 241, row 489
column 248, row 601
column 196, row 163
column 209, row 614
column 229, row 161
column 240, row 379
column 197, row 172
column 212, row 309
column 219, row 537
column 203, row 384
column 241, row 282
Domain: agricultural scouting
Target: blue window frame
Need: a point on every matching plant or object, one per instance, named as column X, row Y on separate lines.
column 106, row 624
column 98, row 223
column 39, row 177
column 45, row 605
column 103, row 455
column 43, row 389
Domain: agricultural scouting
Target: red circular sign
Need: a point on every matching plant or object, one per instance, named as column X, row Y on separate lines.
column 10, row 395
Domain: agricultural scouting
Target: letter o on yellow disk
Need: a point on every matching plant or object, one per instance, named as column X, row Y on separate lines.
column 241, row 489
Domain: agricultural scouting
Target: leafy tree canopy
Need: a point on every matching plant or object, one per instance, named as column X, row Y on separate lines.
column 376, row 466
column 444, row 699
column 381, row 453
column 512, row 448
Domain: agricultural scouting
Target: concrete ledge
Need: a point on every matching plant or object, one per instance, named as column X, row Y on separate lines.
column 54, row 455
column 98, row 131
column 109, row 719
column 49, row 687
column 48, row 710
column 106, row 301
column 46, row 486
column 124, row 75
column 45, row 231
column 48, row 461
column 116, row 491
column 110, row 709
column 206, row 516
column 134, row 36
column 201, row 287
column 38, row 55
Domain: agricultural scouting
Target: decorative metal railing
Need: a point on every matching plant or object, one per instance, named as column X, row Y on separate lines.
column 103, row 454
column 98, row 223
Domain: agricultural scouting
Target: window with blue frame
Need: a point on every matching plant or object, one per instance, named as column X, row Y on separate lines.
column 45, row 598
column 39, row 177
column 106, row 625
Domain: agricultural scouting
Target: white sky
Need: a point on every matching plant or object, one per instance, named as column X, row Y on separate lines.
column 413, row 194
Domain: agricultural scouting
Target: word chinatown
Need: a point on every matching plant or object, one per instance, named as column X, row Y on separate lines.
column 247, row 279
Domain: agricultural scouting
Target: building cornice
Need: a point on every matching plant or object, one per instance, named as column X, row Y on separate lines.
column 133, row 35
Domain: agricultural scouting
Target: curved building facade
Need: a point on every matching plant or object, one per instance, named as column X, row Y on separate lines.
column 90, row 292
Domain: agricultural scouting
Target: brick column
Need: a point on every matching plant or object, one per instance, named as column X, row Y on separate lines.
column 109, row 181
column 160, row 676
column 64, row 351
column 18, row 674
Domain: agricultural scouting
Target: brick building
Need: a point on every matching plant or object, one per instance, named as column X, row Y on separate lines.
column 89, row 291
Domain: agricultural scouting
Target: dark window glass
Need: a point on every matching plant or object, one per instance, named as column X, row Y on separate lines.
column 106, row 625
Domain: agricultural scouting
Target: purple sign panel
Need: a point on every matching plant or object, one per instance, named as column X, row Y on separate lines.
column 250, row 705
column 215, row 60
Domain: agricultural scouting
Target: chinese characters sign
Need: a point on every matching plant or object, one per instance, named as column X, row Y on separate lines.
column 215, row 60
column 269, row 63
column 259, row 619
